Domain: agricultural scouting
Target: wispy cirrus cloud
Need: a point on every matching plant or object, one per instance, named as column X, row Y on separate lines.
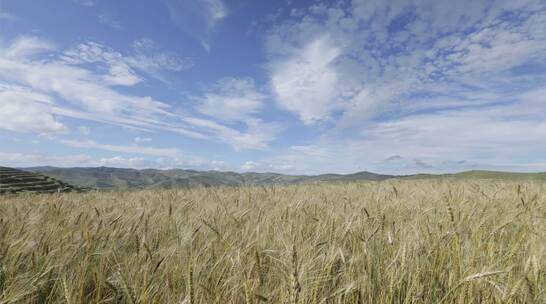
column 88, row 3
column 130, row 149
column 139, row 139
column 231, row 99
column 27, row 46
column 378, row 56
column 504, row 137
column 85, row 160
column 147, row 58
column 431, row 82
column 257, row 134
column 197, row 18
column 398, row 86
column 73, row 89
column 215, row 10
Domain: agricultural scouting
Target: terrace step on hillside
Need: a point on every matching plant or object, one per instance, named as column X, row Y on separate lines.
column 19, row 181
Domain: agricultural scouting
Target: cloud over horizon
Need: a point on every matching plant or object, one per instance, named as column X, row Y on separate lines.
column 398, row 87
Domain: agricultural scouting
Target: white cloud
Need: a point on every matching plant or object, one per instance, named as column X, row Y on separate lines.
column 89, row 144
column 235, row 101
column 305, row 83
column 232, row 99
column 83, row 160
column 281, row 167
column 478, row 136
column 256, row 135
column 216, row 11
column 120, row 73
column 508, row 137
column 441, row 89
column 373, row 62
column 313, row 151
column 35, row 159
column 197, row 18
column 88, row 3
column 122, row 162
column 142, row 139
column 149, row 58
column 79, row 86
column 496, row 48
column 27, row 46
column 26, row 111
column 441, row 85
column 249, row 166
column 146, row 58
column 83, row 93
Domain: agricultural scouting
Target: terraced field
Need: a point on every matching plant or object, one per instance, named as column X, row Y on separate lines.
column 19, row 181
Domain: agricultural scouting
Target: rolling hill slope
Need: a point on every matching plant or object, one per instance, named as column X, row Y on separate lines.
column 481, row 174
column 19, row 181
column 116, row 178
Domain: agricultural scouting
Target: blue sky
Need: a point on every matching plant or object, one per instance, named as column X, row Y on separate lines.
column 284, row 86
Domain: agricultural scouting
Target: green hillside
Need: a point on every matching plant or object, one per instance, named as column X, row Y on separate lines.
column 19, row 181
column 116, row 178
column 477, row 174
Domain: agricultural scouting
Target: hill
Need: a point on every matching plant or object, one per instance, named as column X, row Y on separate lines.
column 19, row 181
column 480, row 174
column 118, row 178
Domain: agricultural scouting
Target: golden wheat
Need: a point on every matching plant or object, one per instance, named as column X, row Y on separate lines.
column 368, row 242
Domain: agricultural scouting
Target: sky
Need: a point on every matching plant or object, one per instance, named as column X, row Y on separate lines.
column 295, row 87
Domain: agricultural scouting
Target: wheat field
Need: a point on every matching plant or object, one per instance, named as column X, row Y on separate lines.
column 424, row 241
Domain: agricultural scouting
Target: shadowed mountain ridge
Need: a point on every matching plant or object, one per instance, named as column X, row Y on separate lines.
column 123, row 178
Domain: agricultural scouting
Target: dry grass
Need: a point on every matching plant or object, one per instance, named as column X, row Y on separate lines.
column 430, row 241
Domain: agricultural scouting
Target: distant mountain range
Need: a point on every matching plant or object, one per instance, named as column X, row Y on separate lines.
column 117, row 178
